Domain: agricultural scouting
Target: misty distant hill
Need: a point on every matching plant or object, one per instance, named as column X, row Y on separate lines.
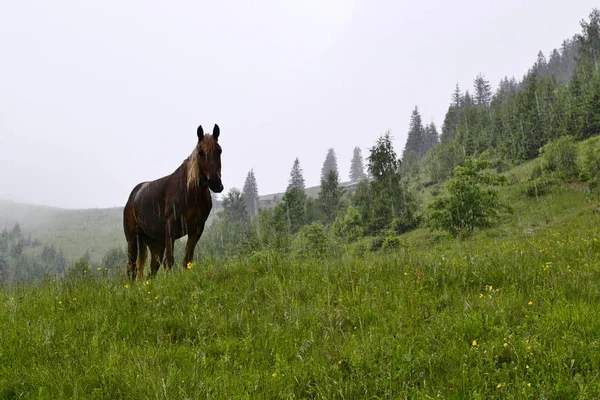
column 73, row 231
column 94, row 230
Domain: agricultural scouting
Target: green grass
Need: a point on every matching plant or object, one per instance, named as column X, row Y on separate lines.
column 396, row 324
column 511, row 312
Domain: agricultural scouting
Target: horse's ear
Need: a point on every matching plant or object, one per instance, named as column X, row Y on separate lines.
column 200, row 133
column 216, row 132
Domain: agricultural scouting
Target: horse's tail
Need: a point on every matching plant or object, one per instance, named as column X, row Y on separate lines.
column 141, row 257
column 136, row 247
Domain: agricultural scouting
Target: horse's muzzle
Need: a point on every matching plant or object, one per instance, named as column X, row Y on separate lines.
column 215, row 185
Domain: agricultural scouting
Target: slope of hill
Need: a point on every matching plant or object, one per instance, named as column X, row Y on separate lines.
column 508, row 313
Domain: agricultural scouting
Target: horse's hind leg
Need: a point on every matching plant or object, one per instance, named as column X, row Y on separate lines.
column 169, row 258
column 132, row 253
column 141, row 260
column 157, row 252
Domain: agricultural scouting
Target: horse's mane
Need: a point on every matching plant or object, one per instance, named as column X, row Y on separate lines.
column 192, row 162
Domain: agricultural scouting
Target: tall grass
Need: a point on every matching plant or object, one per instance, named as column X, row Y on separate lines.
column 510, row 313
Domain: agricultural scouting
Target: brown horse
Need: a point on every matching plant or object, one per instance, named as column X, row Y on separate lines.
column 161, row 211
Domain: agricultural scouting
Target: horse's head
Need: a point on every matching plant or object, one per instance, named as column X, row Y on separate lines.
column 209, row 158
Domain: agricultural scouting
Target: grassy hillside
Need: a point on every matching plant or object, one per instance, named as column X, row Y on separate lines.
column 73, row 231
column 509, row 313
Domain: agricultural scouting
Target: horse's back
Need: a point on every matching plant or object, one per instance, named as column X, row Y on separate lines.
column 129, row 219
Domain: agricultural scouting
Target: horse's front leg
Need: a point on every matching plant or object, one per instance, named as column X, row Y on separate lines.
column 189, row 248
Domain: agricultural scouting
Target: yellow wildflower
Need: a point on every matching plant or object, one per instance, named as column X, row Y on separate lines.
column 481, row 295
column 126, row 286
column 499, row 386
column 474, row 343
column 190, row 265
column 530, row 303
column 505, row 345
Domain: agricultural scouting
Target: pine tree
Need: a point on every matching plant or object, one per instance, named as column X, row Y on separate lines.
column 430, row 137
column 357, row 168
column 383, row 161
column 416, row 133
column 330, row 196
column 466, row 101
column 296, row 178
column 541, row 65
column 391, row 205
column 234, row 207
column 251, row 194
column 294, row 204
column 483, row 91
column 330, row 164
column 589, row 39
column 554, row 64
column 456, row 97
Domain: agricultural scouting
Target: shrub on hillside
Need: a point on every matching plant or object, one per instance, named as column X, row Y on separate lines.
column 312, row 240
column 472, row 202
column 560, row 157
column 115, row 259
column 539, row 187
column 392, row 242
column 590, row 169
column 80, row 269
column 349, row 225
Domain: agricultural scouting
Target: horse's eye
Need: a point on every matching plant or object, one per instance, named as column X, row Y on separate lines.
column 202, row 154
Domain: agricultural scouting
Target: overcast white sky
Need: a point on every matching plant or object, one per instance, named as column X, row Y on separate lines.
column 98, row 96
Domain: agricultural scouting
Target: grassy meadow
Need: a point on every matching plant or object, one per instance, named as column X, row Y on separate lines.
column 511, row 312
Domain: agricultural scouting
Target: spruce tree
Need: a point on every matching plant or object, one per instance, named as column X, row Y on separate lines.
column 430, row 138
column 456, row 97
column 296, row 178
column 416, row 133
column 330, row 164
column 294, row 204
column 383, row 161
column 330, row 196
column 234, row 207
column 466, row 101
column 251, row 194
column 483, row 91
column 357, row 168
column 391, row 205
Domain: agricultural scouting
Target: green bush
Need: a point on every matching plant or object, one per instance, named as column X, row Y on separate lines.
column 349, row 225
column 392, row 243
column 560, row 157
column 539, row 187
column 312, row 240
column 115, row 259
column 590, row 169
column 471, row 203
column 79, row 270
